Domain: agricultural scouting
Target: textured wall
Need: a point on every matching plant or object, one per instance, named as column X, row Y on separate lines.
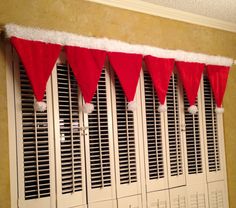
column 100, row 21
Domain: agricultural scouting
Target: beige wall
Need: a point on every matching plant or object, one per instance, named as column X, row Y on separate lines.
column 101, row 21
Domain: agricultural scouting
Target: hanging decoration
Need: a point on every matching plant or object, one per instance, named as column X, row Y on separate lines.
column 87, row 65
column 160, row 70
column 38, row 59
column 190, row 75
column 127, row 68
column 39, row 49
column 218, row 76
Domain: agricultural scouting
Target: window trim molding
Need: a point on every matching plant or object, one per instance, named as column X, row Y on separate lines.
column 170, row 13
column 11, row 128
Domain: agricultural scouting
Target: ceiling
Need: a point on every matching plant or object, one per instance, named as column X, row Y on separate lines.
column 219, row 9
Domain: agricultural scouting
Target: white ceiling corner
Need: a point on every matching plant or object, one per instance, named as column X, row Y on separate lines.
column 220, row 14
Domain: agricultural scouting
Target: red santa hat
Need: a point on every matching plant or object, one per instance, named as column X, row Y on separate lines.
column 38, row 59
column 127, row 68
column 87, row 65
column 160, row 70
column 190, row 74
column 218, row 76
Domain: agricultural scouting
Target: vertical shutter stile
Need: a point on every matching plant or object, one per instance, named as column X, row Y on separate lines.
column 71, row 188
column 34, row 143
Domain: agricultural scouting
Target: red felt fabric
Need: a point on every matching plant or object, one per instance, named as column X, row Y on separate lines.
column 127, row 68
column 190, row 75
column 38, row 59
column 87, row 65
column 218, row 76
column 160, row 70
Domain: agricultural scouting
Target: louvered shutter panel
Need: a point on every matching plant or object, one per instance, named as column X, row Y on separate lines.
column 125, row 143
column 194, row 143
column 178, row 197
column 71, row 188
column 214, row 143
column 173, row 134
column 217, row 195
column 153, row 136
column 195, row 169
column 34, row 142
column 158, row 199
column 99, row 145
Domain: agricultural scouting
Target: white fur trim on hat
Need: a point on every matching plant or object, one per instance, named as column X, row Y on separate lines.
column 40, row 106
column 162, row 108
column 88, row 108
column 64, row 38
column 192, row 109
column 132, row 106
column 219, row 110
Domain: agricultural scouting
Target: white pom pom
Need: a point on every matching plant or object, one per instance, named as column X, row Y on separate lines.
column 219, row 110
column 88, row 108
column 132, row 106
column 40, row 106
column 162, row 108
column 192, row 109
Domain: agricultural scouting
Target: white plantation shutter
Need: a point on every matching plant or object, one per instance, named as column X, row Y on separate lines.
column 114, row 158
column 194, row 145
column 153, row 135
column 196, row 176
column 34, row 141
column 213, row 142
column 69, row 142
column 174, row 141
column 99, row 145
column 126, row 144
